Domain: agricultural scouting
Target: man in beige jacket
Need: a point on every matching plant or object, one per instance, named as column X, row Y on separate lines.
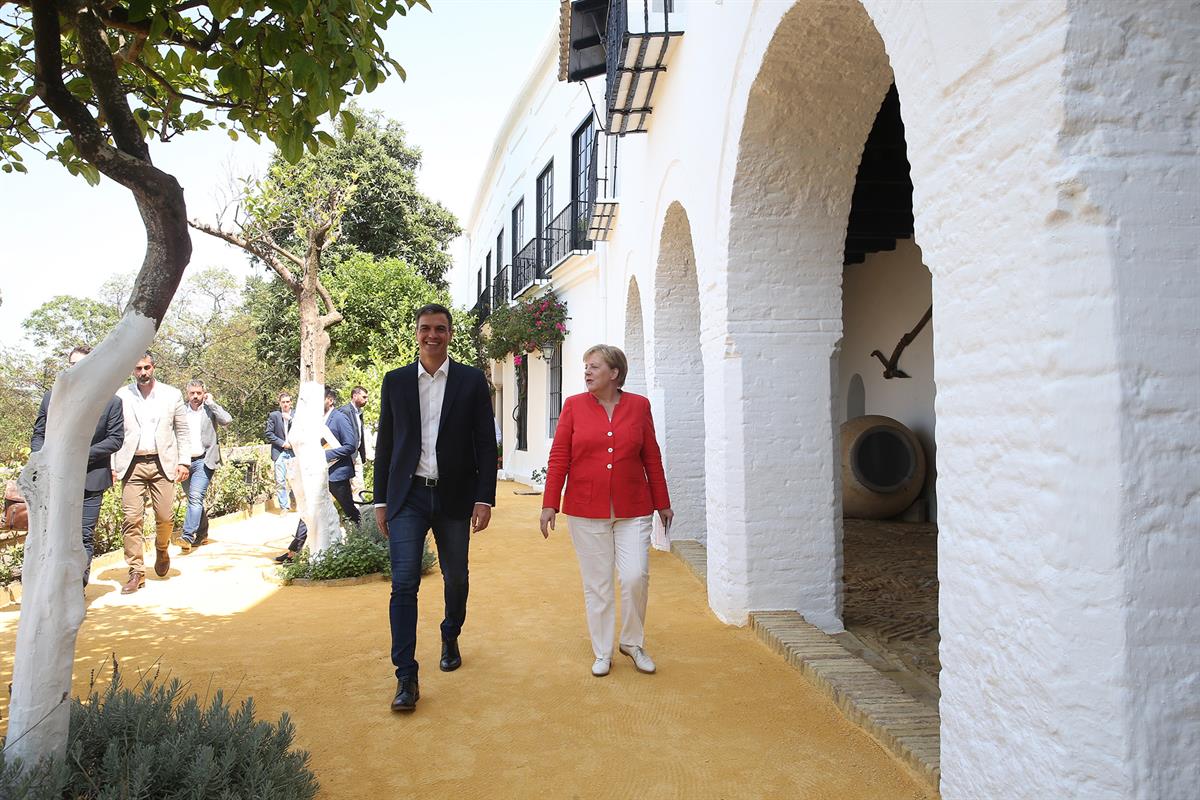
column 148, row 464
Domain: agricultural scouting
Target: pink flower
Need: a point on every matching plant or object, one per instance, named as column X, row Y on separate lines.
column 545, row 304
column 517, row 360
column 561, row 328
column 539, row 323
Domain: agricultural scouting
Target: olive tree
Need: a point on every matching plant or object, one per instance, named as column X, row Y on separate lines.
column 91, row 84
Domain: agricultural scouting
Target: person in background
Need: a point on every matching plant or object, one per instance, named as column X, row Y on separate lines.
column 341, row 469
column 278, row 424
column 358, row 401
column 204, row 417
column 606, row 452
column 106, row 440
column 149, row 464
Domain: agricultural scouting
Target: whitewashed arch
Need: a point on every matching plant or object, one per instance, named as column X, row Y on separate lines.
column 635, row 339
column 679, row 373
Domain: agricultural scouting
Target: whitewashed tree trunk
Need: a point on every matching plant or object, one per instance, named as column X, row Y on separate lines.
column 52, row 599
column 312, row 484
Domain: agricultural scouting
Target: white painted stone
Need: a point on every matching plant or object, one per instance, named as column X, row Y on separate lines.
column 1053, row 150
column 309, row 470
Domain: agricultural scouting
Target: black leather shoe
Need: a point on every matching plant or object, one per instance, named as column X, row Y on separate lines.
column 407, row 694
column 451, row 658
column 285, row 558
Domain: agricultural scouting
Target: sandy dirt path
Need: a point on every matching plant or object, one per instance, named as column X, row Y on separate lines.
column 523, row 718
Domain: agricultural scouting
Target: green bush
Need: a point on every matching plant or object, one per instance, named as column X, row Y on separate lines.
column 364, row 551
column 229, row 491
column 11, row 559
column 152, row 741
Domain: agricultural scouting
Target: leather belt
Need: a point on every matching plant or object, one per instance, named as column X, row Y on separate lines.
column 423, row 481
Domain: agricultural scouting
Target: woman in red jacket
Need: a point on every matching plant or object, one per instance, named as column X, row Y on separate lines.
column 605, row 450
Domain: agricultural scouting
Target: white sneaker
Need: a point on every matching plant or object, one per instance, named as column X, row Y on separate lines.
column 601, row 666
column 641, row 661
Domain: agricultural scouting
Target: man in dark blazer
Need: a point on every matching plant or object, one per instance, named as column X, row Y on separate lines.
column 435, row 468
column 106, row 440
column 278, row 424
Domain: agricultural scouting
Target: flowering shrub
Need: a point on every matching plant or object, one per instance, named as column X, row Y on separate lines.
column 525, row 327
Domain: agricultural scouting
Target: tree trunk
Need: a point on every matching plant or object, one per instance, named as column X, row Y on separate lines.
column 52, row 602
column 312, row 470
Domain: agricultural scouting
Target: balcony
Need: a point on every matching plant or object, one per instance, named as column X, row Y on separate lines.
column 567, row 234
column 631, row 50
column 527, row 267
column 483, row 306
column 500, row 289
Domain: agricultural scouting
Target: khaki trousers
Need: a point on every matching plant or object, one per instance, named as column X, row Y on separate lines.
column 605, row 545
column 146, row 478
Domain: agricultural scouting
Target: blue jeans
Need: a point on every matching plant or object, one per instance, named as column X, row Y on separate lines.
column 281, row 488
column 91, row 515
column 406, row 545
column 195, row 487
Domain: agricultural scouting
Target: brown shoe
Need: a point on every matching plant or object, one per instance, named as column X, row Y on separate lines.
column 136, row 581
column 162, row 563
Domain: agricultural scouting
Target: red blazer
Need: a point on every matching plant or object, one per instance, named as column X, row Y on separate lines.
column 608, row 466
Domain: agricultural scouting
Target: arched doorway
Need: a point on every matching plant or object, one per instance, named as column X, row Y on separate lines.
column 679, row 373
column 809, row 110
column 635, row 340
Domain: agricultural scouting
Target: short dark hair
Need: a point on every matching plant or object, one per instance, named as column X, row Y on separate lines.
column 282, row 395
column 196, row 382
column 332, row 394
column 79, row 348
column 429, row 309
column 358, row 390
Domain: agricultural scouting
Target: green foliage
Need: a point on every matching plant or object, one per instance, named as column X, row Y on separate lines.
column 65, row 321
column 525, row 327
column 21, row 387
column 153, row 741
column 265, row 70
column 364, row 551
column 229, row 492
column 11, row 560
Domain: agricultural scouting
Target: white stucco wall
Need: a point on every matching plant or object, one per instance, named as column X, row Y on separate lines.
column 1053, row 152
column 883, row 298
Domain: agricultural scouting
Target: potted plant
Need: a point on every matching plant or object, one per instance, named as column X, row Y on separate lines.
column 539, row 324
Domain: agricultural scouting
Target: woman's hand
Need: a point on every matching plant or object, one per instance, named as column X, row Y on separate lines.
column 666, row 515
column 548, row 515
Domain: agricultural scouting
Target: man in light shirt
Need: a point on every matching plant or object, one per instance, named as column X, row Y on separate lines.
column 435, row 468
column 151, row 460
column 205, row 415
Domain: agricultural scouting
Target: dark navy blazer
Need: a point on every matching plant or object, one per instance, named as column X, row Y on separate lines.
column 466, row 443
column 106, row 440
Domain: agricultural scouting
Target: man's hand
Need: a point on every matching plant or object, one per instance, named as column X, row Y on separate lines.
column 548, row 515
column 480, row 517
column 208, row 400
column 381, row 520
column 287, row 445
column 181, row 473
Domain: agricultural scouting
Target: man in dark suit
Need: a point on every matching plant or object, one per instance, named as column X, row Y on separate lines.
column 278, row 424
column 435, row 467
column 106, row 440
column 339, row 457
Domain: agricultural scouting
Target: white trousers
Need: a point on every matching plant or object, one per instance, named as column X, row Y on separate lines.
column 602, row 545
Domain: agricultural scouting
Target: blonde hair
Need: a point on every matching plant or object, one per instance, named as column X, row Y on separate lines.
column 613, row 357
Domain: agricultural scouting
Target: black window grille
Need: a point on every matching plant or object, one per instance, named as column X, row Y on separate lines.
column 518, row 228
column 545, row 211
column 479, row 283
column 487, row 268
column 499, row 249
column 521, row 411
column 583, row 180
column 554, row 383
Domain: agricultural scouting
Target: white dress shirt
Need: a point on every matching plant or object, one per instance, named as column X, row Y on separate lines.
column 432, row 389
column 195, row 421
column 148, row 411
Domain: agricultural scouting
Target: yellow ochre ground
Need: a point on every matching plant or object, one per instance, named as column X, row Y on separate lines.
column 523, row 718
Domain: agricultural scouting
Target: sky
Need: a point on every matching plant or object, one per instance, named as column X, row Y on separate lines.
column 465, row 62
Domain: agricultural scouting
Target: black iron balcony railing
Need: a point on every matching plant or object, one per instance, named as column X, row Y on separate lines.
column 636, row 55
column 483, row 306
column 527, row 266
column 567, row 234
column 500, row 289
